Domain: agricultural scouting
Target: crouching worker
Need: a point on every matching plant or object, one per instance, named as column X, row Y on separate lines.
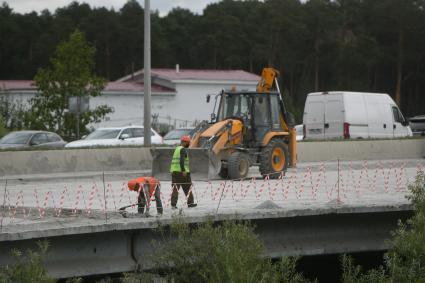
column 146, row 187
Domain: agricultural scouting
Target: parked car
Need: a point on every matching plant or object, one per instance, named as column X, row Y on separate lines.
column 339, row 114
column 118, row 136
column 417, row 124
column 31, row 139
column 173, row 136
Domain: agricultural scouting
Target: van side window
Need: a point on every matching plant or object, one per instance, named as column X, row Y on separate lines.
column 396, row 115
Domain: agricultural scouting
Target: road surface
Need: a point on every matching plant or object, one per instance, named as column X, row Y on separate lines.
column 311, row 185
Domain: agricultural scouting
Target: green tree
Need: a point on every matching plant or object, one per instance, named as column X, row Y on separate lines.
column 317, row 45
column 101, row 27
column 3, row 130
column 179, row 28
column 71, row 74
column 131, row 29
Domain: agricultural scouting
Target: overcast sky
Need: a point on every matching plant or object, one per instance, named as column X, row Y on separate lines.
column 163, row 6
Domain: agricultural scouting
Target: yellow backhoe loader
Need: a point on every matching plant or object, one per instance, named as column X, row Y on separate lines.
column 249, row 128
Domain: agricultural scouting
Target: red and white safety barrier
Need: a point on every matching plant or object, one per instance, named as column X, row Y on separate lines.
column 312, row 183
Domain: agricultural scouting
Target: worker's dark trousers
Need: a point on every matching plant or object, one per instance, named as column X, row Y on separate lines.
column 178, row 180
column 142, row 203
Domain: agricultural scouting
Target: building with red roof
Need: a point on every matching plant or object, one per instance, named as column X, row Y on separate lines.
column 178, row 95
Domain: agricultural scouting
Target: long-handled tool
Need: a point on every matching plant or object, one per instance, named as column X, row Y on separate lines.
column 127, row 206
column 122, row 210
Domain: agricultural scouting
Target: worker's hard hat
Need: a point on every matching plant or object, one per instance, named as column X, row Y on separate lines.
column 185, row 139
column 132, row 185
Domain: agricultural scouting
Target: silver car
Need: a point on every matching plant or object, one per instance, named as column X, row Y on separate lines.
column 417, row 124
column 31, row 139
column 116, row 136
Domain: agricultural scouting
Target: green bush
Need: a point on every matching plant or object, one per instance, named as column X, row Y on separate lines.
column 229, row 252
column 405, row 260
column 28, row 268
column 354, row 274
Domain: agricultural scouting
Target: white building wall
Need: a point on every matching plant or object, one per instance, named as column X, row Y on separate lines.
column 20, row 98
column 190, row 102
column 181, row 109
column 128, row 108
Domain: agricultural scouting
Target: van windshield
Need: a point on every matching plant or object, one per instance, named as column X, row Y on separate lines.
column 398, row 117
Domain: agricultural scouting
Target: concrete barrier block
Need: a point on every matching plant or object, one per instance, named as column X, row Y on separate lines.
column 360, row 150
column 139, row 158
column 74, row 160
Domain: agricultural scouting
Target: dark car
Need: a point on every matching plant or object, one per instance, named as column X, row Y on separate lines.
column 31, row 139
column 417, row 124
column 173, row 136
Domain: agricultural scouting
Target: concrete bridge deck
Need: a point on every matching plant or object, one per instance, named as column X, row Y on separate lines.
column 318, row 208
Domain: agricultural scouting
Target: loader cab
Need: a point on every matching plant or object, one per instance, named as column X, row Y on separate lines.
column 268, row 116
column 235, row 105
column 259, row 112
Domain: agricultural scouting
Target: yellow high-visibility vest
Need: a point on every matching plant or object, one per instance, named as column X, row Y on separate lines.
column 175, row 162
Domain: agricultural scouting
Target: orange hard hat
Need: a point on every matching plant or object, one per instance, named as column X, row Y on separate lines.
column 132, row 185
column 185, row 139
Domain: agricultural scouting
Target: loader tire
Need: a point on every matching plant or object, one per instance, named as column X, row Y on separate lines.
column 238, row 165
column 224, row 174
column 274, row 159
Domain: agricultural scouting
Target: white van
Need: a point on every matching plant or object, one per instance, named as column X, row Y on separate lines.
column 340, row 114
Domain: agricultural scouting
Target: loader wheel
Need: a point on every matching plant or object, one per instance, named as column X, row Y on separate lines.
column 238, row 165
column 274, row 159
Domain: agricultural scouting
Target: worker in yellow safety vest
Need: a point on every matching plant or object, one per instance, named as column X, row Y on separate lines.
column 180, row 173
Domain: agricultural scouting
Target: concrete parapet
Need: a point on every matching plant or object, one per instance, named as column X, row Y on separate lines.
column 123, row 159
column 361, row 150
column 74, row 160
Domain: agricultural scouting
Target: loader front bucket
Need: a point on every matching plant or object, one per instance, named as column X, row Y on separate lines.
column 204, row 165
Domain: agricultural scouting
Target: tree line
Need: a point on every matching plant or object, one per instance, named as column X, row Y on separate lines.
column 317, row 45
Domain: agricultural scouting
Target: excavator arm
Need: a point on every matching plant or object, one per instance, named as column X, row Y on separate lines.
column 268, row 76
column 265, row 84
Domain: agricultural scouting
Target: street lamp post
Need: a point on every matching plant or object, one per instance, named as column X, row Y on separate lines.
column 147, row 76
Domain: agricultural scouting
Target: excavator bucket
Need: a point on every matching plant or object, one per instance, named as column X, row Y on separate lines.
column 202, row 161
